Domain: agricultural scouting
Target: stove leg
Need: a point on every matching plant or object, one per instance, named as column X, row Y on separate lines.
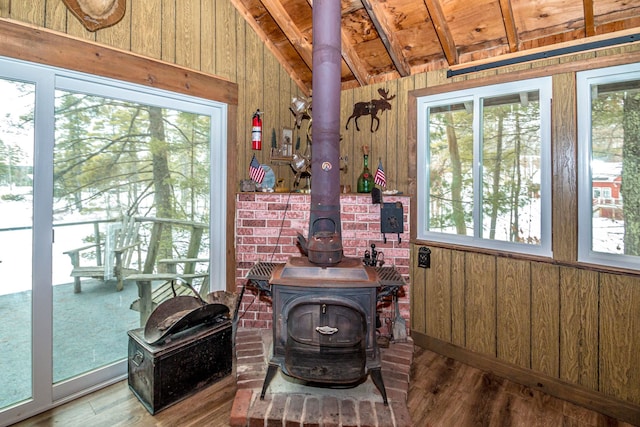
column 376, row 377
column 272, row 370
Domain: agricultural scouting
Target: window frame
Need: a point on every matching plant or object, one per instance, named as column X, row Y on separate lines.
column 544, row 87
column 584, row 81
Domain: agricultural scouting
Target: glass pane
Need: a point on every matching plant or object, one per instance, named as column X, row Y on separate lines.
column 450, row 169
column 16, row 221
column 511, row 160
column 615, row 168
column 119, row 169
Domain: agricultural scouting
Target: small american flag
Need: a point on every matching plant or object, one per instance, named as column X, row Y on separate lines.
column 255, row 171
column 380, row 178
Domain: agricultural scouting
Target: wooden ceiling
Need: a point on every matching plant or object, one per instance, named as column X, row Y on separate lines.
column 387, row 39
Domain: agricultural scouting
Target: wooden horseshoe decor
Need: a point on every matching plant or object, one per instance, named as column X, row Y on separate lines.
column 97, row 14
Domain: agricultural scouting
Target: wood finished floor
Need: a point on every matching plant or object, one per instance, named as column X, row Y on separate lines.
column 443, row 393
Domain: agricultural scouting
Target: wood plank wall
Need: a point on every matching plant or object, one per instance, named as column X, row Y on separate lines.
column 567, row 328
column 552, row 318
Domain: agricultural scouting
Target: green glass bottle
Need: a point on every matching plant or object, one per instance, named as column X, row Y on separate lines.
column 365, row 180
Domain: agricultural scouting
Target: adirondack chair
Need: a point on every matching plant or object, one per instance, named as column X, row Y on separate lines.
column 112, row 259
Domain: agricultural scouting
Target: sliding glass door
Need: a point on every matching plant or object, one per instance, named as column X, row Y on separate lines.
column 16, row 225
column 99, row 180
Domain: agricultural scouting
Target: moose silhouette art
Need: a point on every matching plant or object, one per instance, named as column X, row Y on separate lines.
column 371, row 108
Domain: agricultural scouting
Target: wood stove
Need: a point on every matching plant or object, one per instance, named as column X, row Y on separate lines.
column 324, row 323
column 324, row 305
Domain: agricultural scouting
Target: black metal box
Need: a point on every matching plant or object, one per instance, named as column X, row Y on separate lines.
column 163, row 374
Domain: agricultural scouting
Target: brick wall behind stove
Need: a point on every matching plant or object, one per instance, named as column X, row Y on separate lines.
column 266, row 229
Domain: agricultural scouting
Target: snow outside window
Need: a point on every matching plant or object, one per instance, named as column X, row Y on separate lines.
column 609, row 166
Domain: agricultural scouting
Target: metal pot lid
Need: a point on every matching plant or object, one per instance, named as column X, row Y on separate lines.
column 179, row 314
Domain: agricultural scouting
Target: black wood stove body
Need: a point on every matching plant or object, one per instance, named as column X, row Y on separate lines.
column 324, row 323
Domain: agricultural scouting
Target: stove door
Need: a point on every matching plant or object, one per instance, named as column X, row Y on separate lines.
column 326, row 341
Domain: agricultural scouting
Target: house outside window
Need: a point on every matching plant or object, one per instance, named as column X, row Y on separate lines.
column 609, row 166
column 484, row 167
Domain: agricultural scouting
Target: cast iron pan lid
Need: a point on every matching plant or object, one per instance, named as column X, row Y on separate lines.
column 178, row 314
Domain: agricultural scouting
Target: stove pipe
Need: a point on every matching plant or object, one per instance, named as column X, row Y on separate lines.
column 325, row 158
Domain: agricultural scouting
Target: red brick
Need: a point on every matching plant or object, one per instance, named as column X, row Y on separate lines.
column 240, row 408
column 293, row 414
column 401, row 415
column 276, row 410
column 258, row 412
column 367, row 416
column 383, row 412
column 348, row 413
column 311, row 412
column 330, row 408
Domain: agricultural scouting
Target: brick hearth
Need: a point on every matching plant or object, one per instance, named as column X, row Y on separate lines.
column 288, row 403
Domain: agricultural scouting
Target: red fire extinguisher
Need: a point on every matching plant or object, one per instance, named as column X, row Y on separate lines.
column 256, row 131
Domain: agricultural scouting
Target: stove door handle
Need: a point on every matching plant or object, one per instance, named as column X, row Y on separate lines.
column 326, row 330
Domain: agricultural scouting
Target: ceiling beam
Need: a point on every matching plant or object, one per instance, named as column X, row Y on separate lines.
column 240, row 7
column 509, row 25
column 284, row 21
column 589, row 20
column 442, row 31
column 391, row 43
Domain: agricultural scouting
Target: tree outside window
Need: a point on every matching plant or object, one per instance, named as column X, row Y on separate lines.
column 485, row 153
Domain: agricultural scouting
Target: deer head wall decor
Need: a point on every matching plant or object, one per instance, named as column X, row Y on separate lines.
column 371, row 108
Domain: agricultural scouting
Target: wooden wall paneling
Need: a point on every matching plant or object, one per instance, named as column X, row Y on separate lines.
column 616, row 50
column 168, row 25
column 208, row 43
column 388, row 152
column 579, row 327
column 480, row 303
column 620, row 337
column 226, row 46
column 378, row 144
column 232, row 173
column 271, row 107
column 243, row 150
column 31, row 12
column 458, row 309
column 564, row 154
column 254, row 96
column 119, row 35
column 513, row 303
column 396, row 177
column 5, row 6
column 361, row 137
column 545, row 318
column 76, row 28
column 56, row 16
column 347, row 146
column 52, row 48
column 146, row 28
column 435, row 78
column 188, row 35
column 582, row 56
column 418, row 289
column 438, row 295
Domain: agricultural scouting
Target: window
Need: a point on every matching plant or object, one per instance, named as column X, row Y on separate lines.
column 484, row 167
column 609, row 166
